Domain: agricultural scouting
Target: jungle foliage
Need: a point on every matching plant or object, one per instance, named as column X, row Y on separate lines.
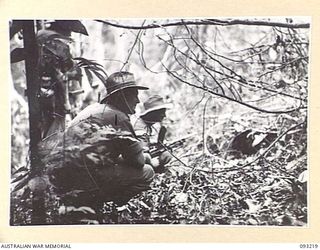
column 239, row 90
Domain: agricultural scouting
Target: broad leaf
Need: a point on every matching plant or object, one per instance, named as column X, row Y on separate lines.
column 100, row 76
column 15, row 27
column 258, row 139
column 20, row 170
column 89, row 76
column 20, row 185
column 68, row 26
column 90, row 63
column 17, row 55
column 92, row 67
column 20, row 177
column 303, row 177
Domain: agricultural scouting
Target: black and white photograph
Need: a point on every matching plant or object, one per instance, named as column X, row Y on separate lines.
column 139, row 121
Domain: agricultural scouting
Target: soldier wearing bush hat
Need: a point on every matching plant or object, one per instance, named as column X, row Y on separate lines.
column 154, row 103
column 118, row 168
column 149, row 129
column 120, row 81
column 121, row 99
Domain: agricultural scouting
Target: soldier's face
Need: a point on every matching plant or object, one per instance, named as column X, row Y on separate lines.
column 155, row 116
column 130, row 99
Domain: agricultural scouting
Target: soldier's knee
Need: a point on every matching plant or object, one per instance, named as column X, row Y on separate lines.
column 148, row 173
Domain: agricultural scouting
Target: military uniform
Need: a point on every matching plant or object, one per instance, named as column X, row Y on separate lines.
column 92, row 161
column 150, row 131
column 124, row 180
column 147, row 134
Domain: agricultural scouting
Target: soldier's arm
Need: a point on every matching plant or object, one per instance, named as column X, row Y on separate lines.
column 131, row 151
column 133, row 155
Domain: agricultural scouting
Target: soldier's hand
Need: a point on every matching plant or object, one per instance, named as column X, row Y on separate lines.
column 165, row 158
column 147, row 158
column 155, row 162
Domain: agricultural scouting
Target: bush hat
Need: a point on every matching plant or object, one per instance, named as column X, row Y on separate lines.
column 155, row 102
column 119, row 81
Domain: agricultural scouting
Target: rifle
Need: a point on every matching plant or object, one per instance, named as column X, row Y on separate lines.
column 156, row 149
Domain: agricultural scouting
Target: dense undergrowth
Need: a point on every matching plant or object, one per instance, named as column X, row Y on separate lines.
column 223, row 82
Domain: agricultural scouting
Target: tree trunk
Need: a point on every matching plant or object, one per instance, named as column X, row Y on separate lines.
column 33, row 87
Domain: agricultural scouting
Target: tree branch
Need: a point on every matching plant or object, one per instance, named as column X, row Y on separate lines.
column 134, row 44
column 231, row 99
column 259, row 23
column 210, row 22
column 240, row 78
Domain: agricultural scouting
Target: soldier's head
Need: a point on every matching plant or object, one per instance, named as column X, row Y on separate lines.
column 154, row 109
column 122, row 91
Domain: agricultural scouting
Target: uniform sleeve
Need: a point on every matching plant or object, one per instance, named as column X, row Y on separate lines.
column 132, row 149
column 141, row 131
column 85, row 114
column 140, row 128
column 122, row 137
column 117, row 119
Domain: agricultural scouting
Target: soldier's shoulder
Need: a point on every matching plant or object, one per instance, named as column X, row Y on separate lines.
column 86, row 113
column 139, row 124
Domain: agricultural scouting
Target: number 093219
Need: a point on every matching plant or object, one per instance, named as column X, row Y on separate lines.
column 307, row 246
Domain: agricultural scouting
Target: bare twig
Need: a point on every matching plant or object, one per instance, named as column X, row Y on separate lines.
column 134, row 44
column 240, row 78
column 231, row 99
column 282, row 66
column 204, row 124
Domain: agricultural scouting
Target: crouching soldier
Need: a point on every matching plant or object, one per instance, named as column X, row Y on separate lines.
column 151, row 132
column 101, row 158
